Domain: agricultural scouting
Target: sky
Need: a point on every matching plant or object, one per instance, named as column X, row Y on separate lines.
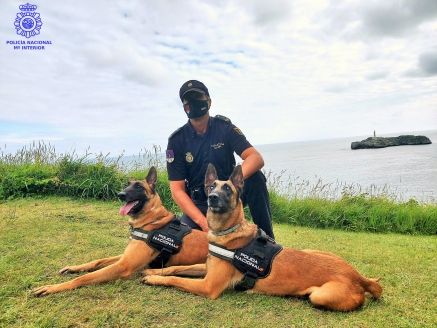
column 282, row 71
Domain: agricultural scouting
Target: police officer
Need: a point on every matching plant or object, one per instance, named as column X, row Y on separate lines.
column 203, row 140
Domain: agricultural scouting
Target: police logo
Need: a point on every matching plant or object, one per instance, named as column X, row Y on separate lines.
column 218, row 145
column 28, row 23
column 190, row 84
column 169, row 154
column 189, row 157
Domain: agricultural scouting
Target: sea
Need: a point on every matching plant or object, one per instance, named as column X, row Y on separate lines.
column 329, row 167
column 402, row 172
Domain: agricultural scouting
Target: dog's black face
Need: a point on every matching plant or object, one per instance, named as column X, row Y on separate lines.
column 223, row 196
column 220, row 194
column 137, row 194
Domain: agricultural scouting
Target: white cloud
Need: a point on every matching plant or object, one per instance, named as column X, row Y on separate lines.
column 428, row 62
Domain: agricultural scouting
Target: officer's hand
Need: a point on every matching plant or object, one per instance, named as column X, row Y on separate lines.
column 204, row 225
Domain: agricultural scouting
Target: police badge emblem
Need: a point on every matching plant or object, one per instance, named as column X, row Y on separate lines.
column 239, row 131
column 169, row 155
column 189, row 157
column 28, row 23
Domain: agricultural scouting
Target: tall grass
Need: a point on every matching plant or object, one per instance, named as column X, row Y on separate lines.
column 349, row 207
column 38, row 171
column 291, row 187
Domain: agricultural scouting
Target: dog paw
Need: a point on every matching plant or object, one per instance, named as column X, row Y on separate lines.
column 152, row 280
column 68, row 270
column 44, row 290
column 151, row 272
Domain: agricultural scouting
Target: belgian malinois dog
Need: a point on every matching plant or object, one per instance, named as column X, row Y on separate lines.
column 145, row 211
column 326, row 279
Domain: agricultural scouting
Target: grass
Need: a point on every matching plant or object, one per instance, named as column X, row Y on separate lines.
column 40, row 171
column 40, row 236
column 356, row 213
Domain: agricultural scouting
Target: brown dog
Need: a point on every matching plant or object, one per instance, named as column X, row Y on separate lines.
column 146, row 214
column 327, row 279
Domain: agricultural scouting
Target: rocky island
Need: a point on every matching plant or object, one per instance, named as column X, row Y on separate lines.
column 381, row 142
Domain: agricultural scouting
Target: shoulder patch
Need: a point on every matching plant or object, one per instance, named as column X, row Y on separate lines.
column 239, row 131
column 223, row 118
column 172, row 135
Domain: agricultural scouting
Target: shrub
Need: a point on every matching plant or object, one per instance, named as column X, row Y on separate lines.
column 89, row 180
column 27, row 180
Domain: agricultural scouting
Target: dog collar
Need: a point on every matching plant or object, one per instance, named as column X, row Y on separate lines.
column 225, row 232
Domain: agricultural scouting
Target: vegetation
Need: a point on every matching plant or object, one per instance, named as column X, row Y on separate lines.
column 61, row 209
column 40, row 171
column 40, row 236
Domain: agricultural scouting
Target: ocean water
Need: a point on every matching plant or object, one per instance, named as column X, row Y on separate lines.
column 406, row 171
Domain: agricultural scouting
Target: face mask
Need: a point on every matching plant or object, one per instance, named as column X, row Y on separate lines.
column 195, row 108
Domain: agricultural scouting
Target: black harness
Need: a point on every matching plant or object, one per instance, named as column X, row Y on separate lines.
column 166, row 240
column 253, row 260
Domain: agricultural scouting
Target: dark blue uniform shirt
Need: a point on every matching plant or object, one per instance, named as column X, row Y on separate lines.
column 188, row 153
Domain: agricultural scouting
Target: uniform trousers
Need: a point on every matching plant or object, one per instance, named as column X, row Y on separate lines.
column 255, row 195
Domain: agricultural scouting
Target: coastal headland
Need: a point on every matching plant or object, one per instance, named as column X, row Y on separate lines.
column 382, row 142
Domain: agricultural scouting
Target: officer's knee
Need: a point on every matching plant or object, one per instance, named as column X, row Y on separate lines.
column 255, row 180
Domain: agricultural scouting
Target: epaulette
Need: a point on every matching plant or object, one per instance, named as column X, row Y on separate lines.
column 172, row 135
column 224, row 118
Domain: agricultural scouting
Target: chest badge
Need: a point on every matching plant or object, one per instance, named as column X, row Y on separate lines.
column 218, row 145
column 189, row 157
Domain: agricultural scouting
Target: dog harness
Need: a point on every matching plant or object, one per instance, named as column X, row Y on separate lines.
column 253, row 260
column 166, row 240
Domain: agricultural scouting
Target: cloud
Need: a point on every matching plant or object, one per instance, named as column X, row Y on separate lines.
column 336, row 88
column 379, row 75
column 342, row 86
column 428, row 63
column 363, row 20
column 396, row 18
column 266, row 13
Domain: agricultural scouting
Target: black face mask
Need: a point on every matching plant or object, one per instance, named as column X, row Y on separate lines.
column 195, row 108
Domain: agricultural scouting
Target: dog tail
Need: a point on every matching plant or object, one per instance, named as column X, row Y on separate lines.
column 373, row 288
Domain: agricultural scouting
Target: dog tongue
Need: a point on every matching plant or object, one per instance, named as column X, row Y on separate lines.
column 127, row 207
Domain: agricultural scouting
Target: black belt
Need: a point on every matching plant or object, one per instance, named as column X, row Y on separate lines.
column 198, row 194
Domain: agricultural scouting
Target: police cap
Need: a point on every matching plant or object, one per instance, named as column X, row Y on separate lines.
column 193, row 85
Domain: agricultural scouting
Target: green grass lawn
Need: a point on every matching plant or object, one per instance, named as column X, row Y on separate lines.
column 40, row 236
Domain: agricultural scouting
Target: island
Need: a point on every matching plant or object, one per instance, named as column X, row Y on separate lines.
column 381, row 142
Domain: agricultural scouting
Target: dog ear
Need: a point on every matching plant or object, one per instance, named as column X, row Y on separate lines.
column 151, row 177
column 237, row 178
column 211, row 175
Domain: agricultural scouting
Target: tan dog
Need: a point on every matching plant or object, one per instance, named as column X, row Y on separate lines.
column 327, row 279
column 145, row 211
